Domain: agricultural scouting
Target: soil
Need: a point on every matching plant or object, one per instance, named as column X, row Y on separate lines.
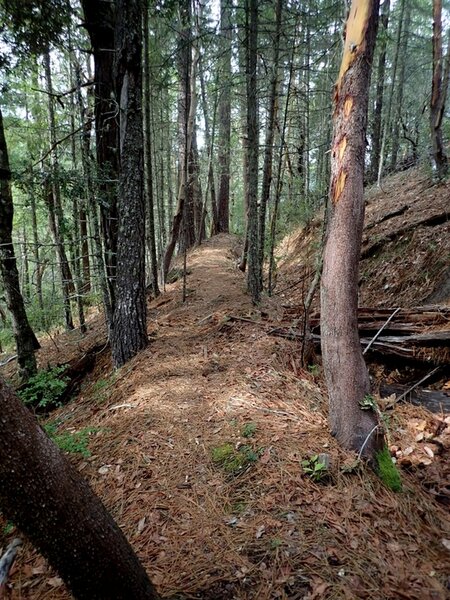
column 212, row 378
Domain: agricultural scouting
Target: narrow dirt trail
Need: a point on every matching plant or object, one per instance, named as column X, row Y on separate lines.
column 263, row 531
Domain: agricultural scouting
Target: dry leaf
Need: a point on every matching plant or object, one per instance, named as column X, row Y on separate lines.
column 428, row 451
column 446, row 544
column 103, row 470
column 55, row 582
column 261, row 529
column 141, row 525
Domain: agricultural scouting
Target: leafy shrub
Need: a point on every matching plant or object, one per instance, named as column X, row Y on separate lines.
column 44, row 389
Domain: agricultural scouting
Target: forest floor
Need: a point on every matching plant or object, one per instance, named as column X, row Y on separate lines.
column 196, row 449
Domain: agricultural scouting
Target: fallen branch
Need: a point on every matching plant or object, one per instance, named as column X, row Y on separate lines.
column 380, row 330
column 7, row 561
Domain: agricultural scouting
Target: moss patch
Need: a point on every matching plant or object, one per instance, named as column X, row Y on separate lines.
column 387, row 470
column 231, row 460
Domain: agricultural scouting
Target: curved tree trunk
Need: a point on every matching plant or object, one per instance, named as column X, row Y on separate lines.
column 129, row 332
column 26, row 341
column 346, row 373
column 46, row 497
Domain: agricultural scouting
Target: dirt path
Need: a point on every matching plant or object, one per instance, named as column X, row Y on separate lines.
column 207, row 385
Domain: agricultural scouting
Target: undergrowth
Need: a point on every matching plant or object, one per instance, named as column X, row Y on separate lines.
column 232, row 460
column 72, row 443
column 45, row 389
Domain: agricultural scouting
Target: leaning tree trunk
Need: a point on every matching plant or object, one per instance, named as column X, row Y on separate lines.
column 26, row 341
column 46, row 497
column 346, row 373
column 129, row 332
column 438, row 94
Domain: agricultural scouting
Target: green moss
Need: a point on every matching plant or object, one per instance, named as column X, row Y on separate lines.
column 387, row 470
column 231, row 460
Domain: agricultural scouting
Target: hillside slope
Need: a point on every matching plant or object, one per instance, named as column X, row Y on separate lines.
column 406, row 245
column 196, row 449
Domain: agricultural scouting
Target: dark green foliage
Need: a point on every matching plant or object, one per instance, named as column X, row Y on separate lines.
column 249, row 430
column 34, row 25
column 45, row 389
column 387, row 470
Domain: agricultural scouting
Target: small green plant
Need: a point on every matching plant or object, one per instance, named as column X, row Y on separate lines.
column 387, row 470
column 314, row 370
column 368, row 403
column 248, row 430
column 44, row 389
column 314, row 468
column 73, row 443
column 8, row 528
column 99, row 389
column 233, row 460
column 275, row 543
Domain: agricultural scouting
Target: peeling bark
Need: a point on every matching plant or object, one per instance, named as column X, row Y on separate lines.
column 346, row 373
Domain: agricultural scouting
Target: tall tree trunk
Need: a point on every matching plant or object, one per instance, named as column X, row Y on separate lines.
column 438, row 94
column 387, row 128
column 99, row 266
column 150, row 200
column 224, row 129
column 379, row 94
column 345, row 371
column 186, row 123
column 54, row 203
column 400, row 87
column 100, row 22
column 268, row 153
column 254, row 283
column 129, row 333
column 46, row 497
column 26, row 341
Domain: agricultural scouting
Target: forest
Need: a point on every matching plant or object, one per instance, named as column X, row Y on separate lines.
column 224, row 299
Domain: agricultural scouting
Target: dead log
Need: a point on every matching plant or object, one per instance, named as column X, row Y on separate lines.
column 436, row 401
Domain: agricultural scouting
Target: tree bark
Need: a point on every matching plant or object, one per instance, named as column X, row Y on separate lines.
column 224, row 124
column 270, row 133
column 53, row 197
column 46, row 497
column 26, row 341
column 379, row 94
column 150, row 197
column 438, row 94
column 401, row 86
column 345, row 371
column 253, row 273
column 100, row 22
column 129, row 332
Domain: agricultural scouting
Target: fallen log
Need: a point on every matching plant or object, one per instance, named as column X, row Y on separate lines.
column 436, row 401
column 430, row 348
